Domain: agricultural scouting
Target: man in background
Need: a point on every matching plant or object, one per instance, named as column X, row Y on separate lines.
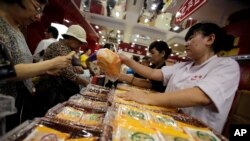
column 50, row 37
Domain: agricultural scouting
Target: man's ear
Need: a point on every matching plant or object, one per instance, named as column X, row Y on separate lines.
column 163, row 53
column 210, row 39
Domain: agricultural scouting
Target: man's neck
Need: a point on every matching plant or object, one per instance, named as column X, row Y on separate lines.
column 203, row 58
column 160, row 64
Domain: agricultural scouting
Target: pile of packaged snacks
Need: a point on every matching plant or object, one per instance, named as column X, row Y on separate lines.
column 86, row 102
column 77, row 116
column 81, row 118
column 130, row 123
column 96, row 92
column 43, row 129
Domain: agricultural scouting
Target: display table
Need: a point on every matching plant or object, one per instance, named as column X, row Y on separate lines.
column 98, row 114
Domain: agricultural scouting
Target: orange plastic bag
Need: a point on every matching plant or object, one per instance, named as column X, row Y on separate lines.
column 110, row 63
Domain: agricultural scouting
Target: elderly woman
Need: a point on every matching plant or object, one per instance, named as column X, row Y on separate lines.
column 204, row 87
column 52, row 90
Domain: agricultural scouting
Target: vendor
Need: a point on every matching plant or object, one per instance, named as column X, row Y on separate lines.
column 204, row 87
column 160, row 52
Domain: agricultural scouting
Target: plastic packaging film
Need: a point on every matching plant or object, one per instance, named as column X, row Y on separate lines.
column 110, row 63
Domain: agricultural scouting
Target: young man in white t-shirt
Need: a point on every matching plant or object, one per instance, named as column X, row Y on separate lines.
column 51, row 36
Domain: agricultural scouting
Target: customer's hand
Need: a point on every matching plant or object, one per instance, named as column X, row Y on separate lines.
column 61, row 62
column 54, row 72
column 78, row 69
column 124, row 58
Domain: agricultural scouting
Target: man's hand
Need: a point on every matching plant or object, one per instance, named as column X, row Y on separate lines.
column 124, row 58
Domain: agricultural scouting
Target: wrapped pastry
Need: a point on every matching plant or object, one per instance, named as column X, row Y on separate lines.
column 70, row 114
column 163, row 121
column 43, row 133
column 83, row 139
column 81, row 101
column 91, row 119
column 132, row 113
column 110, row 63
column 174, row 136
column 200, row 134
column 126, row 132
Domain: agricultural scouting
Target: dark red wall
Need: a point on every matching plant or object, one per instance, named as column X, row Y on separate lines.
column 239, row 23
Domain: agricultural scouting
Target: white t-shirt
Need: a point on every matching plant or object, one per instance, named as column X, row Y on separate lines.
column 218, row 77
column 43, row 44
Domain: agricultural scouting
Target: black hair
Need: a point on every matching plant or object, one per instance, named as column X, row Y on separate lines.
column 161, row 46
column 108, row 46
column 87, row 49
column 20, row 2
column 146, row 58
column 136, row 58
column 222, row 41
column 54, row 31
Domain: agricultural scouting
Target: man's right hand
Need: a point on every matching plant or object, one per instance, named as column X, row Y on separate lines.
column 124, row 58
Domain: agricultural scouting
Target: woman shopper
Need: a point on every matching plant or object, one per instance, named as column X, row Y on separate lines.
column 13, row 14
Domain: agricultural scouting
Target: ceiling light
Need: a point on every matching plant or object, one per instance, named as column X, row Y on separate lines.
column 104, row 40
column 177, row 53
column 154, row 6
column 96, row 43
column 146, row 48
column 135, row 39
column 176, row 45
column 67, row 21
column 103, row 37
column 118, row 35
column 117, row 14
column 183, row 57
column 133, row 43
column 146, row 20
column 119, row 40
column 176, row 28
column 190, row 18
column 100, row 32
column 137, row 35
column 103, row 43
column 118, row 31
column 97, row 27
column 169, row 47
column 178, row 14
column 158, row 40
column 171, row 54
column 185, row 51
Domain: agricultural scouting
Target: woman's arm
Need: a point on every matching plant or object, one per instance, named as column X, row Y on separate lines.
column 152, row 74
column 179, row 99
column 24, row 71
column 144, row 83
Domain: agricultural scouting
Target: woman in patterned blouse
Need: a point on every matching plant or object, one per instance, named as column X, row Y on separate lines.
column 15, row 13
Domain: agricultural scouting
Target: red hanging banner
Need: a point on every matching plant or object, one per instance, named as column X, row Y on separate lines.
column 187, row 8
